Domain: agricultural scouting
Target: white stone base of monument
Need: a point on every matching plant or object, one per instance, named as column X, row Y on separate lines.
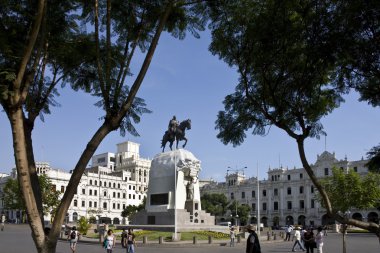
column 174, row 185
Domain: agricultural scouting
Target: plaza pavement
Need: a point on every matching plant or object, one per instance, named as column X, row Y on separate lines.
column 17, row 239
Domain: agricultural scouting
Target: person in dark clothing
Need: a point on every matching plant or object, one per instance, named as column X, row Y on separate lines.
column 253, row 244
column 309, row 240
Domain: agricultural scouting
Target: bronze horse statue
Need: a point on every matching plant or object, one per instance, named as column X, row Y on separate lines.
column 179, row 135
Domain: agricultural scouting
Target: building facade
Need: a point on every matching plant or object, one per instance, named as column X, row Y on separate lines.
column 114, row 181
column 288, row 196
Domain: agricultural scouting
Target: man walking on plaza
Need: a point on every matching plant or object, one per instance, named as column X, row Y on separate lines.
column 297, row 235
column 253, row 244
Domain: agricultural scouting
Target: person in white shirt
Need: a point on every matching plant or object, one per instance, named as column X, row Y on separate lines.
column 232, row 237
column 297, row 236
column 319, row 240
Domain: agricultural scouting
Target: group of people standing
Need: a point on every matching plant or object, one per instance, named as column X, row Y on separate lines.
column 127, row 240
column 307, row 240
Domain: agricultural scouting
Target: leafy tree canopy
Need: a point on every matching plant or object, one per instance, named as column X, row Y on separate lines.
column 13, row 197
column 350, row 190
column 286, row 64
column 215, row 203
column 374, row 159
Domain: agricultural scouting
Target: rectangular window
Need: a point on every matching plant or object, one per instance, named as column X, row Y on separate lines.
column 124, row 195
column 90, row 204
column 289, row 205
column 104, row 205
column 243, row 195
column 253, row 194
column 288, row 177
column 312, row 204
column 95, row 204
column 302, row 204
column 83, row 203
column 326, row 171
column 95, row 192
column 113, row 205
column 90, row 193
column 275, row 192
column 232, row 195
column 62, row 189
column 356, row 169
column 253, row 206
column 275, row 206
column 301, row 175
column 84, row 191
column 264, row 206
column 289, row 191
column 264, row 193
column 312, row 189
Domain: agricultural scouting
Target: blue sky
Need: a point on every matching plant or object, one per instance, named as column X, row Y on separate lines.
column 187, row 81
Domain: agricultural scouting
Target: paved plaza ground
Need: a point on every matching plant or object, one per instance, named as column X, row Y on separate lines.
column 17, row 239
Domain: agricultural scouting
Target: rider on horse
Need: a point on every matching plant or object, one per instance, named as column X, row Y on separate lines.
column 173, row 124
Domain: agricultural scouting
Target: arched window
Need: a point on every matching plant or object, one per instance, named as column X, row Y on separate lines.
column 75, row 216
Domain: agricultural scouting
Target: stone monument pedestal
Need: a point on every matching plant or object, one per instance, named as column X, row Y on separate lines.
column 173, row 191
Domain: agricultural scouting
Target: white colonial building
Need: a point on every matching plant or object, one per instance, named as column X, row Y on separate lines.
column 114, row 181
column 288, row 196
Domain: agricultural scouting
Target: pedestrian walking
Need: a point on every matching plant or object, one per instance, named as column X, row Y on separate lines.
column 253, row 243
column 309, row 239
column 110, row 241
column 325, row 230
column 130, row 241
column 73, row 237
column 297, row 236
column 2, row 222
column 232, row 237
column 319, row 240
column 288, row 231
column 123, row 235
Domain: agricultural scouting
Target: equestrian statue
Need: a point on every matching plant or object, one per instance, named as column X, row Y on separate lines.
column 176, row 132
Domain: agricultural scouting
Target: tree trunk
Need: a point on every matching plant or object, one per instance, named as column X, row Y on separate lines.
column 21, row 160
column 344, row 237
column 309, row 171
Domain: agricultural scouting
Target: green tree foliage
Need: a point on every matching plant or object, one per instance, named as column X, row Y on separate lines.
column 13, row 197
column 45, row 43
column 359, row 46
column 215, row 204
column 83, row 225
column 350, row 190
column 290, row 62
column 50, row 195
column 243, row 211
column 374, row 159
